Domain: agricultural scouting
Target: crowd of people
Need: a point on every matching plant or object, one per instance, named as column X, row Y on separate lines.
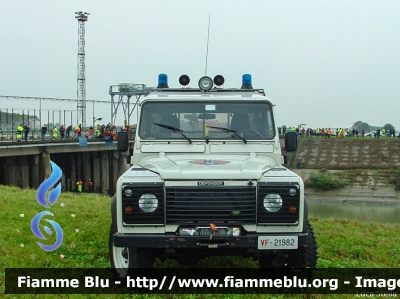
column 23, row 131
column 110, row 132
column 338, row 132
column 89, row 188
column 100, row 131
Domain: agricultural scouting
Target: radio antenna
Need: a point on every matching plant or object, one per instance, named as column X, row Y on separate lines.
column 208, row 38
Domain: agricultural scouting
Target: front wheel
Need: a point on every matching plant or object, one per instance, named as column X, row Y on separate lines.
column 124, row 259
column 306, row 257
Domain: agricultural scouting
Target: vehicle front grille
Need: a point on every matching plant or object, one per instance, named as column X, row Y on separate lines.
column 211, row 204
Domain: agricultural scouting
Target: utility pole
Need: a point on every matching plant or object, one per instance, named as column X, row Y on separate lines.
column 82, row 17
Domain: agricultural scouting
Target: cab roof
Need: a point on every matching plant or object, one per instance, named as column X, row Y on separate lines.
column 185, row 93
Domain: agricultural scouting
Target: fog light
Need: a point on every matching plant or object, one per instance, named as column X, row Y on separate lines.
column 219, row 80
column 184, row 80
column 205, row 83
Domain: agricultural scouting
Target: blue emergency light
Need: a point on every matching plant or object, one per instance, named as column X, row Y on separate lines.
column 246, row 82
column 162, row 81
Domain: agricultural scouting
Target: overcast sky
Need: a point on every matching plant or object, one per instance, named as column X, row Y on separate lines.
column 323, row 63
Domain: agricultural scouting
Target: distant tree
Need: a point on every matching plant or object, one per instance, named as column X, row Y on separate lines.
column 11, row 120
column 388, row 127
column 360, row 125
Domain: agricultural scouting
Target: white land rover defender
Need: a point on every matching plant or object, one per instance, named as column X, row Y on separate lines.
column 206, row 179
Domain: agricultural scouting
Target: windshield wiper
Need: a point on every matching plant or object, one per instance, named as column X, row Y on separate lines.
column 231, row 132
column 176, row 130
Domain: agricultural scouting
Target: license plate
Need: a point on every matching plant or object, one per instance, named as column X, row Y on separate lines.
column 277, row 242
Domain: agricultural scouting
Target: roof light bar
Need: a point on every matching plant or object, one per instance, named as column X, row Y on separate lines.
column 205, row 83
column 246, row 82
column 162, row 81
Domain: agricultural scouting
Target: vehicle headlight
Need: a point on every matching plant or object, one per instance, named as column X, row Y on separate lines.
column 272, row 202
column 148, row 203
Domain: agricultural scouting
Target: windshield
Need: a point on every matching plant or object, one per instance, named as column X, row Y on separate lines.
column 206, row 120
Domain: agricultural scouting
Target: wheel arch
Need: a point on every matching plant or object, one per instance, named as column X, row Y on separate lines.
column 305, row 216
column 114, row 211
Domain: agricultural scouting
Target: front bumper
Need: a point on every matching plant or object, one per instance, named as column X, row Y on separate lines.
column 185, row 242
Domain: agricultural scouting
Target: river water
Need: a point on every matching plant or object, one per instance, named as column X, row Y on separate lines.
column 358, row 210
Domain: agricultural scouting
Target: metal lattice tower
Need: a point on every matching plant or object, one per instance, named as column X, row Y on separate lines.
column 82, row 17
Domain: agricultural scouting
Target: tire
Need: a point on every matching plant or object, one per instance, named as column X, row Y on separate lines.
column 278, row 259
column 304, row 257
column 123, row 259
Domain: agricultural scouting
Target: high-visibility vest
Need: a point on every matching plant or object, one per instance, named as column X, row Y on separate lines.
column 20, row 129
column 55, row 133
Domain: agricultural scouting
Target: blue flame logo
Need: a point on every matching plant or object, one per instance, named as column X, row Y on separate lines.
column 41, row 198
column 47, row 184
column 36, row 231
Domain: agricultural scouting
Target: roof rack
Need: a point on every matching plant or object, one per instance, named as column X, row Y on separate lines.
column 130, row 93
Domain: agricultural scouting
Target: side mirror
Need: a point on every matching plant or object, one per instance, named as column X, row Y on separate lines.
column 123, row 141
column 290, row 141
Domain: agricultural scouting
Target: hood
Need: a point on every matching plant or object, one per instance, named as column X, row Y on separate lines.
column 174, row 167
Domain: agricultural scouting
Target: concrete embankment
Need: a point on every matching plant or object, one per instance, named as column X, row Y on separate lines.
column 369, row 167
column 351, row 193
column 348, row 153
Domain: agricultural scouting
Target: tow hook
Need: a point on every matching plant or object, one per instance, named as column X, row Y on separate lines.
column 124, row 253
